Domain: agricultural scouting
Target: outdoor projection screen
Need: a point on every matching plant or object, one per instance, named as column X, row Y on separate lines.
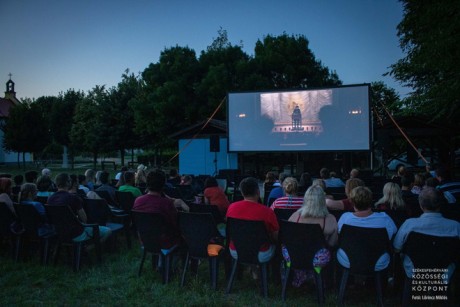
column 333, row 119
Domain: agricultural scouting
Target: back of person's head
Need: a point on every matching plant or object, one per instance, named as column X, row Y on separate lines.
column 156, row 180
column 124, row 169
column 361, row 197
column 249, row 187
column 407, row 179
column 82, row 179
column 28, row 191
column 98, row 176
column 430, row 199
column 18, row 180
column 90, row 174
column 46, row 172
column 62, row 181
column 282, row 177
column 442, row 173
column 270, row 177
column 401, row 170
column 104, row 177
column 305, row 180
column 44, row 183
column 210, row 182
column 352, row 183
column 392, row 196
column 5, row 185
column 129, row 177
column 31, row 176
column 419, row 179
column 314, row 203
column 290, row 186
column 432, row 182
column 354, row 173
column 73, row 181
column 319, row 182
column 324, row 173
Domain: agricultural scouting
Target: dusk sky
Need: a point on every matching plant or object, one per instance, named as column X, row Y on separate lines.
column 50, row 46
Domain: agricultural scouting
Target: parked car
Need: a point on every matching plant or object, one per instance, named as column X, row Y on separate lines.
column 393, row 163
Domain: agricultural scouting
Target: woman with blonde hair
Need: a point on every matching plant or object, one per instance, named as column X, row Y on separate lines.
column 290, row 200
column 391, row 199
column 314, row 211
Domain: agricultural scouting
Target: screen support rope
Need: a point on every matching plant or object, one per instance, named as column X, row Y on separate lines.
column 403, row 133
column 199, row 131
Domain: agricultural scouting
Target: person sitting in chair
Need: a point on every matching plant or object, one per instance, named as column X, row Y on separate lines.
column 250, row 209
column 431, row 222
column 63, row 198
column 361, row 197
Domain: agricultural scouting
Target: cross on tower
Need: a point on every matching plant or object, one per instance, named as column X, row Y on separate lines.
column 10, row 74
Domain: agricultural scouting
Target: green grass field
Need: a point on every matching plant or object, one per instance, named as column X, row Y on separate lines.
column 115, row 283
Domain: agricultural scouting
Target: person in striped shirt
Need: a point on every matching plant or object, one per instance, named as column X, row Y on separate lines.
column 290, row 200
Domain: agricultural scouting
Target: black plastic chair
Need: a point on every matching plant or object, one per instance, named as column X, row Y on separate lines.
column 248, row 237
column 98, row 212
column 67, row 226
column 152, row 228
column 429, row 254
column 284, row 214
column 363, row 246
column 212, row 209
column 302, row 242
column 31, row 220
column 7, row 218
column 106, row 195
column 125, row 200
column 198, row 230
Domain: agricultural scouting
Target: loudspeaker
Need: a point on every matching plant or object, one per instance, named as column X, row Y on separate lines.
column 214, row 143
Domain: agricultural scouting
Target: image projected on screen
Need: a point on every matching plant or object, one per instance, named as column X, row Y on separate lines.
column 306, row 120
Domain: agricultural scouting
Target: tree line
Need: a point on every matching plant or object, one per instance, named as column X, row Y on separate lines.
column 182, row 88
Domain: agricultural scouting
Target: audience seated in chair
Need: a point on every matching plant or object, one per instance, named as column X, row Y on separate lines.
column 63, row 198
column 290, row 200
column 363, row 216
column 391, row 199
column 250, row 209
column 277, row 190
column 314, row 211
column 430, row 222
column 5, row 193
column 128, row 186
column 27, row 198
column 331, row 182
column 45, row 186
column 345, row 204
column 214, row 195
column 105, row 186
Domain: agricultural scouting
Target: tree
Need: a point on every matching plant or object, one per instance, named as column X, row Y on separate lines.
column 89, row 132
column 26, row 129
column 383, row 97
column 286, row 62
column 224, row 69
column 168, row 102
column 428, row 34
column 120, row 115
column 61, row 118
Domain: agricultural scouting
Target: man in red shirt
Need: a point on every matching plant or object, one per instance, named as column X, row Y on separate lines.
column 250, row 209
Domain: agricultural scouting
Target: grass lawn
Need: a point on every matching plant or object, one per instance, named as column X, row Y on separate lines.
column 115, row 283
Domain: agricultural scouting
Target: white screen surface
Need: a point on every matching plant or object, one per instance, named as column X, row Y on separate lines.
column 306, row 120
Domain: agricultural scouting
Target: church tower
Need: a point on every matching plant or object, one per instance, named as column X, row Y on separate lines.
column 10, row 94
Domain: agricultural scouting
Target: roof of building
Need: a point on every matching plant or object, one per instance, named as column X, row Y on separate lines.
column 214, row 127
column 5, row 105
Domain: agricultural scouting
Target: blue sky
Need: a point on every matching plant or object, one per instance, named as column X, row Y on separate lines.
column 52, row 45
